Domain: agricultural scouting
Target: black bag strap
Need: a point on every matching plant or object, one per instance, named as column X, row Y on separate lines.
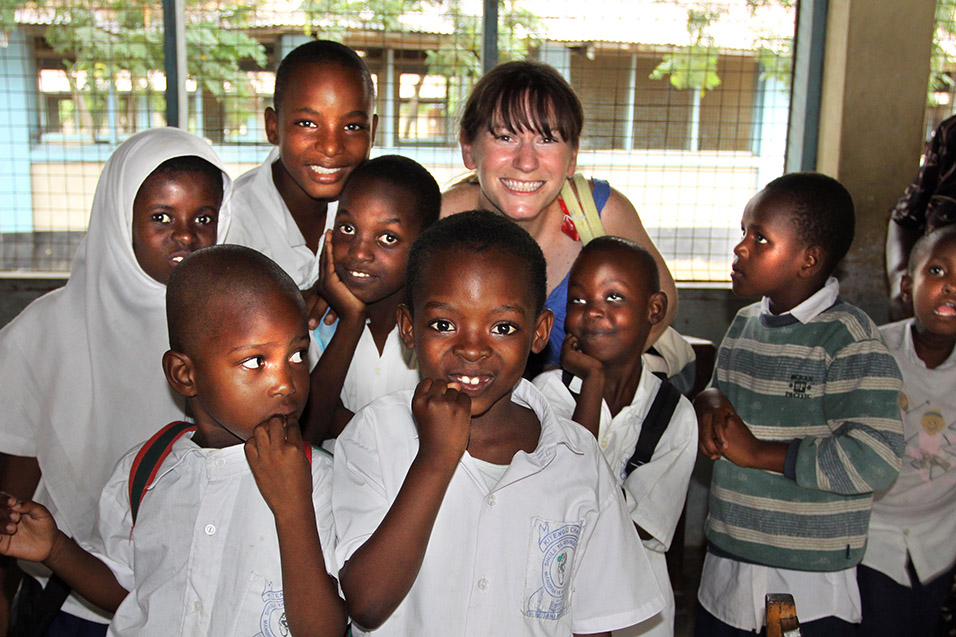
column 655, row 423
column 35, row 608
column 566, row 378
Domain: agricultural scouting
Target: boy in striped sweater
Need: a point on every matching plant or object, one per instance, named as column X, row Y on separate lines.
column 802, row 419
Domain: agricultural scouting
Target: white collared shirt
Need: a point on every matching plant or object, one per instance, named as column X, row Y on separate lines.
column 548, row 551
column 370, row 374
column 261, row 220
column 917, row 516
column 812, row 306
column 203, row 558
column 655, row 491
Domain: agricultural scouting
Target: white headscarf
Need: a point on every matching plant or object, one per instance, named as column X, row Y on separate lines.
column 81, row 379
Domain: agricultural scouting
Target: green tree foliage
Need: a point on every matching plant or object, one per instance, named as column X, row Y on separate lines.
column 695, row 66
column 99, row 42
column 941, row 62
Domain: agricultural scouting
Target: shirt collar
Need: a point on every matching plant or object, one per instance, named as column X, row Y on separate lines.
column 552, row 433
column 812, row 306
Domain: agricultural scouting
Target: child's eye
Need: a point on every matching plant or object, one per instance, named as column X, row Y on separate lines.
column 504, row 329
column 574, row 300
column 205, row 220
column 759, row 238
column 300, row 356
column 614, row 296
column 936, row 270
column 356, row 127
column 305, row 123
column 345, row 228
column 441, row 325
column 254, row 363
column 160, row 217
column 388, row 239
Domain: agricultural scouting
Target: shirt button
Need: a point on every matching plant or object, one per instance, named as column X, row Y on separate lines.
column 220, row 462
column 197, row 606
column 483, row 584
column 210, row 529
column 491, row 500
column 604, row 444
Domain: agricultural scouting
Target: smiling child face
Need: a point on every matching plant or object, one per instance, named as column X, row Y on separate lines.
column 374, row 229
column 174, row 214
column 610, row 307
column 475, row 324
column 324, row 130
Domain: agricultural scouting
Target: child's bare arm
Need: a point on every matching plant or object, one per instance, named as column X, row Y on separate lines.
column 587, row 411
column 712, row 409
column 312, row 602
column 379, row 574
column 29, row 532
column 745, row 450
column 329, row 374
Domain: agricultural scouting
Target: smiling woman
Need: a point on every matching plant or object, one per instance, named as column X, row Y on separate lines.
column 520, row 133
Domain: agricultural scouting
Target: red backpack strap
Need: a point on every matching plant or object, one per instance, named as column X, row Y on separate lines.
column 150, row 458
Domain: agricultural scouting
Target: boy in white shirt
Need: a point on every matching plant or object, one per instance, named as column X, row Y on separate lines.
column 470, row 508
column 322, row 123
column 206, row 556
column 386, row 204
column 614, row 299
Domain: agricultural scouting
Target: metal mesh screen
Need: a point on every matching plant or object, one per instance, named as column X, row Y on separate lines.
column 686, row 103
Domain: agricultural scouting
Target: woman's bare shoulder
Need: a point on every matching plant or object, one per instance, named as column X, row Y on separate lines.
column 459, row 198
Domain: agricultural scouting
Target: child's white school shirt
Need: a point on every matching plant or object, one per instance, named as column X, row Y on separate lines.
column 371, row 375
column 734, row 592
column 917, row 516
column 655, row 491
column 548, row 551
column 261, row 220
column 203, row 558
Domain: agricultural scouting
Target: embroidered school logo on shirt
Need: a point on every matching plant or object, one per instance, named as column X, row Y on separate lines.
column 800, row 386
column 550, row 557
column 272, row 622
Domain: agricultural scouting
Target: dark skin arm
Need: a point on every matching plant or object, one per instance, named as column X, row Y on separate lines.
column 28, row 532
column 19, row 476
column 587, row 410
column 380, row 573
column 311, row 597
column 899, row 243
column 723, row 433
column 325, row 416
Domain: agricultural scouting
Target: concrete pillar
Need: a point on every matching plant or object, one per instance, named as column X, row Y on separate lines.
column 875, row 77
column 18, row 108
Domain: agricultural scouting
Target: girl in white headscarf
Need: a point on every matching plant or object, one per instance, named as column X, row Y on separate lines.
column 82, row 378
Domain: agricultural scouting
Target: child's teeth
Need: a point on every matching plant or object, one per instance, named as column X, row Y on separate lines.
column 358, row 274
column 325, row 171
column 177, row 259
column 946, row 310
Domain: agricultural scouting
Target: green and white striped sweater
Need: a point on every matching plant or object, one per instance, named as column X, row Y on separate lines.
column 831, row 389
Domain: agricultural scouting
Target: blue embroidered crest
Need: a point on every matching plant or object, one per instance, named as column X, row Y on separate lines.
column 550, row 557
column 272, row 621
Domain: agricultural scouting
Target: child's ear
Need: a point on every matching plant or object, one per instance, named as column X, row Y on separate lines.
column 656, row 307
column 371, row 139
column 542, row 331
column 178, row 368
column 906, row 288
column 813, row 258
column 272, row 125
column 406, row 324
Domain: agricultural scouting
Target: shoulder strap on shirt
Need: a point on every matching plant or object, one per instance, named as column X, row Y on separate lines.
column 655, row 423
column 581, row 207
column 150, row 458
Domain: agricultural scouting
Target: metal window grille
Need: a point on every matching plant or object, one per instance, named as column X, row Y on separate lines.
column 686, row 102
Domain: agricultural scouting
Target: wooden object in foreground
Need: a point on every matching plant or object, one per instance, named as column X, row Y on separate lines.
column 782, row 616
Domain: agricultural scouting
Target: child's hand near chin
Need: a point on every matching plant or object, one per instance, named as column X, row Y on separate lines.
column 27, row 530
column 576, row 361
column 713, row 410
column 330, row 287
column 277, row 459
column 443, row 419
